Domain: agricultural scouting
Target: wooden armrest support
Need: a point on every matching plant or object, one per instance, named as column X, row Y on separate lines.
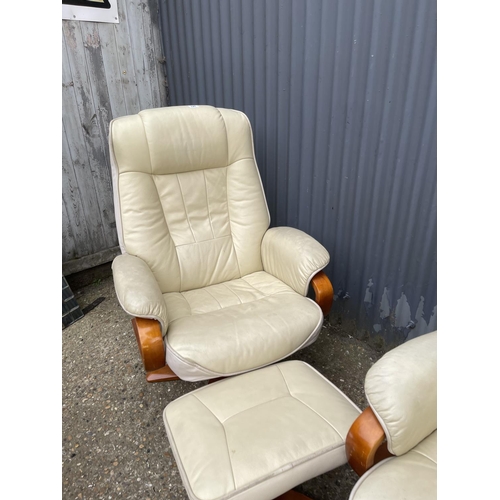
column 163, row 374
column 366, row 443
column 323, row 290
column 152, row 349
column 292, row 495
column 150, row 342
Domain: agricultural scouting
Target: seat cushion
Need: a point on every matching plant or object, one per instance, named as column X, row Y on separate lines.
column 412, row 476
column 236, row 326
column 257, row 435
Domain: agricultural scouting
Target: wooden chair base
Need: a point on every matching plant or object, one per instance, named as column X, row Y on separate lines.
column 164, row 374
column 292, row 495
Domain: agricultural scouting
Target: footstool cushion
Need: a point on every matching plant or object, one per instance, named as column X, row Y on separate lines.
column 257, row 435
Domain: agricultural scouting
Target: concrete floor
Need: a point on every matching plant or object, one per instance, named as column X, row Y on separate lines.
column 114, row 442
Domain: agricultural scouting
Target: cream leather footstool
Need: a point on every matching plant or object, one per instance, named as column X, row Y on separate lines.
column 257, row 435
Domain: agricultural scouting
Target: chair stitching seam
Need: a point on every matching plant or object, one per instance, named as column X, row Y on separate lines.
column 277, row 472
column 159, row 198
column 211, row 295
column 227, row 191
column 241, row 302
column 424, row 455
column 260, row 291
column 227, row 137
column 203, row 241
column 255, row 406
column 268, row 324
column 234, row 248
column 333, row 386
column 187, row 302
column 185, row 208
column 225, row 435
column 147, row 141
column 231, row 225
column 305, row 404
column 234, row 305
column 208, row 205
column 169, row 235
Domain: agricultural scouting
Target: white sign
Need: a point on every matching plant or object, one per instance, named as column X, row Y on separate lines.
column 101, row 11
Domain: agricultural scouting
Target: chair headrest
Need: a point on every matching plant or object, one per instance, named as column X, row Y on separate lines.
column 179, row 139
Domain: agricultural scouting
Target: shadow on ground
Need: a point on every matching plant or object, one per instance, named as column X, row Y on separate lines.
column 114, row 442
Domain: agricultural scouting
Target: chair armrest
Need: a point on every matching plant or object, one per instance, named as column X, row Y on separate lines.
column 401, row 389
column 138, row 291
column 293, row 256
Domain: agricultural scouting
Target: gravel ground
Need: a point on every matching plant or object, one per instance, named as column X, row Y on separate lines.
column 114, row 442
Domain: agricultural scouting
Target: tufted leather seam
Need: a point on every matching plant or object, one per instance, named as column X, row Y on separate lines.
column 273, row 474
column 305, row 404
column 232, row 239
column 185, row 208
column 260, row 291
column 255, row 163
column 234, row 293
column 227, row 307
column 255, row 406
column 227, row 136
column 225, row 435
column 187, row 302
column 208, row 205
column 147, row 142
column 220, row 305
column 203, row 241
column 166, row 225
column 227, row 191
column 424, row 455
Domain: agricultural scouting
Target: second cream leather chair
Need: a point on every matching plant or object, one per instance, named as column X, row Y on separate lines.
column 213, row 291
column 399, row 426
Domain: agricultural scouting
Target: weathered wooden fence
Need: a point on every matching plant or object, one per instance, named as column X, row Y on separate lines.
column 108, row 70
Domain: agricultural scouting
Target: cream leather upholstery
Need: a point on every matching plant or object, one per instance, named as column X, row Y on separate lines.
column 253, row 321
column 193, row 223
column 412, row 476
column 137, row 290
column 293, row 257
column 190, row 200
column 258, row 435
column 401, row 389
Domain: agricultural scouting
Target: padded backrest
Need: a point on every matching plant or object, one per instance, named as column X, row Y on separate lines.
column 401, row 388
column 188, row 196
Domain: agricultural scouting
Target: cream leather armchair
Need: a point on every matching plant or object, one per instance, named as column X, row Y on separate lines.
column 212, row 290
column 392, row 445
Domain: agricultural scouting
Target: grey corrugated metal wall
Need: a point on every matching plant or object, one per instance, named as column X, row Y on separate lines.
column 342, row 99
column 108, row 70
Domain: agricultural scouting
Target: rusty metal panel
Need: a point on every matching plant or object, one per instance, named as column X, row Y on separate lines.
column 342, row 99
column 108, row 70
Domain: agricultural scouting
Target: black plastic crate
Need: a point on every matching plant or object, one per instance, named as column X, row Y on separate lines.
column 71, row 311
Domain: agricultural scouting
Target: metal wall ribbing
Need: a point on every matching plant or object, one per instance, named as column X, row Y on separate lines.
column 342, row 99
